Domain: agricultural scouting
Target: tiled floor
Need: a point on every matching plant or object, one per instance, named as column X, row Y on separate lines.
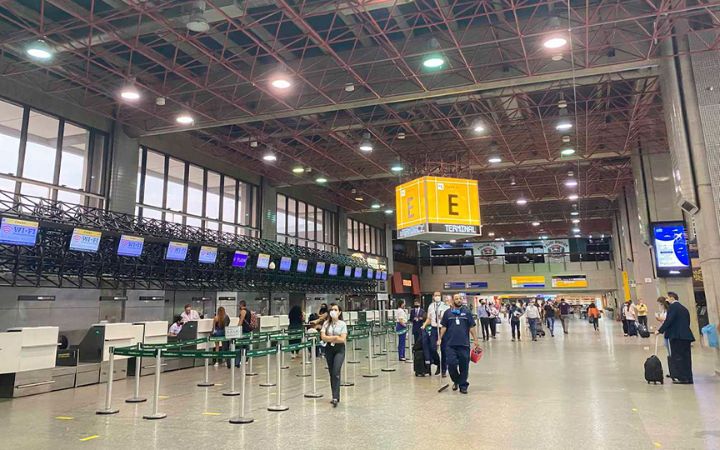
column 583, row 390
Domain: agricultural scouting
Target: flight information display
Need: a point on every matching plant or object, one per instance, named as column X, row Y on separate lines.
column 320, row 268
column 378, row 275
column 240, row 259
column 302, row 265
column 130, row 245
column 384, row 276
column 358, row 272
column 85, row 240
column 18, row 232
column 285, row 263
column 333, row 270
column 348, row 271
column 176, row 251
column 672, row 257
column 207, row 255
column 263, row 261
column 370, row 274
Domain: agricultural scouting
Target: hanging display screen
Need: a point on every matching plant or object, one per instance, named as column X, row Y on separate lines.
column 285, row 263
column 333, row 270
column 85, row 240
column 348, row 271
column 320, row 268
column 358, row 272
column 384, row 276
column 207, row 255
column 370, row 274
column 18, row 232
column 130, row 245
column 263, row 261
column 672, row 257
column 176, row 251
column 302, row 265
column 378, row 275
column 240, row 259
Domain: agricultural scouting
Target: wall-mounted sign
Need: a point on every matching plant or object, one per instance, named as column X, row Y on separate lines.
column 18, row 232
column 527, row 281
column 569, row 281
column 407, row 283
column 437, row 208
column 458, row 285
column 556, row 249
column 672, row 257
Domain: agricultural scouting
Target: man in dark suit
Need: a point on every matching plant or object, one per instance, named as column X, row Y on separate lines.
column 677, row 329
column 417, row 317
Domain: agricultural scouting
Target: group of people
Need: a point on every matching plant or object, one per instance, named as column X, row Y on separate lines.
column 632, row 316
column 536, row 313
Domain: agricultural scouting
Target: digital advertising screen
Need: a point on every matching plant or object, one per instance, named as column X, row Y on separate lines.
column 370, row 274
column 263, row 261
column 358, row 272
column 240, row 259
column 207, row 255
column 285, row 263
column 320, row 268
column 332, row 271
column 302, row 265
column 176, row 251
column 348, row 271
column 85, row 240
column 672, row 257
column 130, row 246
column 18, row 232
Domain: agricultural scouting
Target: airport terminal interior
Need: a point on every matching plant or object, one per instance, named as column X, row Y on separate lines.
column 360, row 224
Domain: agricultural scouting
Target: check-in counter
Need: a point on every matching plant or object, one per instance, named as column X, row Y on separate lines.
column 95, row 348
column 148, row 332
column 372, row 316
column 283, row 322
column 351, row 317
column 204, row 329
column 27, row 359
column 269, row 323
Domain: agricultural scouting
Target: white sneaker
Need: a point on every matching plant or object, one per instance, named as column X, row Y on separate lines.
column 216, row 364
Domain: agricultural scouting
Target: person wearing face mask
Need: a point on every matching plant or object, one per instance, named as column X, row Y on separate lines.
column 516, row 311
column 457, row 327
column 434, row 315
column 484, row 315
column 417, row 317
column 400, row 325
column 334, row 334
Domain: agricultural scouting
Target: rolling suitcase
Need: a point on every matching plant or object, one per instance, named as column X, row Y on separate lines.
column 643, row 331
column 653, row 367
column 421, row 369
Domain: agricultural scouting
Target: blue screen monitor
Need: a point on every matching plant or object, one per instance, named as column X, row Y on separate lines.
column 320, row 268
column 332, row 271
column 263, row 261
column 384, row 276
column 85, row 240
column 358, row 272
column 285, row 263
column 176, row 251
column 370, row 274
column 672, row 257
column 302, row 265
column 348, row 271
column 207, row 255
column 18, row 232
column 240, row 259
column 130, row 246
column 378, row 275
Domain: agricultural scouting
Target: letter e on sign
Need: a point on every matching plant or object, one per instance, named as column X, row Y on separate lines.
column 452, row 204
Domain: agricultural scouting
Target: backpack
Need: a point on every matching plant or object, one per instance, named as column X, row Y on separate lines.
column 254, row 322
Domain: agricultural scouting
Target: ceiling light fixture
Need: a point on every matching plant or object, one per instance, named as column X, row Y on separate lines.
column 491, row 233
column 512, row 181
column 563, row 125
column 269, row 157
column 388, row 211
column 576, row 221
column 543, row 237
column 130, row 92
column 280, row 82
column 536, row 224
column 521, row 201
column 375, row 205
column 397, row 167
column 321, row 180
column 434, row 59
column 573, row 197
column 298, row 169
column 366, row 144
column 578, row 235
column 574, row 213
column 556, row 38
column 40, row 50
column 576, row 230
column 494, row 159
column 571, row 183
column 567, row 151
column 555, row 42
column 359, row 198
column 185, row 119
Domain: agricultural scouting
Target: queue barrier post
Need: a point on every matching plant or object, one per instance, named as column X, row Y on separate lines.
column 136, row 395
column 345, row 382
column 371, row 373
column 284, row 336
column 242, row 419
column 410, row 341
column 206, row 381
column 304, row 359
column 387, row 367
column 232, row 392
column 156, row 392
column 313, row 358
column 249, row 372
column 278, row 406
column 108, row 392
column 268, row 382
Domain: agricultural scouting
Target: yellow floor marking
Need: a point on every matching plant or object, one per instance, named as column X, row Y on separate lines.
column 634, row 409
column 218, row 384
column 89, row 438
column 64, row 418
column 210, row 413
column 163, row 397
column 657, row 444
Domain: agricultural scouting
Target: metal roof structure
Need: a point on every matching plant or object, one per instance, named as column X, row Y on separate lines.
column 355, row 71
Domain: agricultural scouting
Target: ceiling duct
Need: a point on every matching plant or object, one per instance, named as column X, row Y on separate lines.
column 197, row 21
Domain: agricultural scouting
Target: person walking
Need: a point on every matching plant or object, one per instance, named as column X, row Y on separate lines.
column 630, row 313
column 532, row 312
column 220, row 322
column 642, row 311
column 417, row 317
column 676, row 328
column 333, row 333
column 493, row 317
column 457, row 327
column 401, row 325
column 515, row 311
column 594, row 314
column 434, row 315
column 549, row 314
column 565, row 311
column 484, row 315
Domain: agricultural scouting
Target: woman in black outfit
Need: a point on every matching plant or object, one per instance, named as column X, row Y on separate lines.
column 295, row 317
column 334, row 334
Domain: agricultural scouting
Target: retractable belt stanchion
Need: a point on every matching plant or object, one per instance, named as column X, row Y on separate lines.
column 268, row 382
column 410, row 341
column 232, row 392
column 345, row 381
column 249, row 372
column 279, row 406
column 241, row 419
column 313, row 349
column 387, row 367
column 136, row 396
column 206, row 382
column 285, row 337
column 304, row 358
column 108, row 393
column 371, row 345
column 156, row 392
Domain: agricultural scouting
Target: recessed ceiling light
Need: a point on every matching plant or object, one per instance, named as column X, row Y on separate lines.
column 576, row 221
column 576, row 230
column 572, row 197
column 298, row 169
column 40, row 50
column 494, row 160
column 396, row 168
column 269, row 157
column 388, row 211
column 567, row 151
column 281, row 82
column 563, row 125
column 185, row 119
column 375, row 205
column 521, row 201
column 571, row 183
column 536, row 224
column 434, row 61
column 555, row 42
column 574, row 213
column 491, row 233
column 321, row 180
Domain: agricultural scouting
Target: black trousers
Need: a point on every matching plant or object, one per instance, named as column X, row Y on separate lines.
column 515, row 325
column 493, row 326
column 485, row 325
column 458, row 358
column 680, row 360
column 335, row 356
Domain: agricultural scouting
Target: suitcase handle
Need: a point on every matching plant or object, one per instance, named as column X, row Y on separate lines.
column 657, row 337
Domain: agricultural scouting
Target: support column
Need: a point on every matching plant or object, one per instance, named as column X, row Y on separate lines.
column 389, row 248
column 123, row 173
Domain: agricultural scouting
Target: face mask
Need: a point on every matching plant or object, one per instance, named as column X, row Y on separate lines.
column 437, row 299
column 334, row 314
column 416, row 306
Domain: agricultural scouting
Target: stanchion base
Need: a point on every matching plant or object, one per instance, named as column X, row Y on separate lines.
column 346, row 384
column 278, row 408
column 104, row 412
column 302, row 375
column 203, row 384
column 388, row 369
column 231, row 393
column 155, row 416
column 409, row 361
column 358, row 348
column 136, row 400
column 370, row 375
column 312, row 395
column 241, row 420
column 254, row 374
column 267, row 385
column 285, row 367
column 353, row 362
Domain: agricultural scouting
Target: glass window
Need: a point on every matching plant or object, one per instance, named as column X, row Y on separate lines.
column 212, row 196
column 154, row 179
column 302, row 220
column 319, row 223
column 34, row 190
column 150, row 213
column 7, row 185
column 195, row 191
column 229, row 203
column 10, row 125
column 292, row 217
column 175, row 187
column 41, row 147
column 69, row 197
column 245, row 216
column 73, row 159
column 281, row 214
column 311, row 223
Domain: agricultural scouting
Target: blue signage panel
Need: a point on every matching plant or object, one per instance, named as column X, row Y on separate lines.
column 18, row 232
column 370, row 274
column 459, row 285
column 332, row 271
column 672, row 257
column 176, row 251
column 240, row 259
column 207, row 255
column 302, row 265
column 130, row 245
column 285, row 263
column 348, row 271
column 358, row 272
column 85, row 240
column 320, row 268
column 263, row 261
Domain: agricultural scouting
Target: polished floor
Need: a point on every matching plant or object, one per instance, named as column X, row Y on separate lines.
column 579, row 390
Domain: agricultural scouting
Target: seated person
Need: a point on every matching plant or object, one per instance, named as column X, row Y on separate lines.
column 176, row 326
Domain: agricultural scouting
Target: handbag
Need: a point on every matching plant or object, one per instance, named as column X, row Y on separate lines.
column 498, row 320
column 476, row 354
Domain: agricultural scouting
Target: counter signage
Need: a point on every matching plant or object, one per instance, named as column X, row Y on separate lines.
column 130, row 245
column 527, row 282
column 85, row 240
column 18, row 232
column 233, row 332
column 569, row 281
column 176, row 251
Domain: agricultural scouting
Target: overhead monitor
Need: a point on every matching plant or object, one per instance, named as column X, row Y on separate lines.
column 370, row 274
column 18, row 232
column 130, row 245
column 378, row 275
column 302, row 265
column 85, row 240
column 320, row 268
column 263, row 261
column 207, row 255
column 384, row 276
column 358, row 272
column 332, row 271
column 240, row 259
column 176, row 251
column 348, row 271
column 285, row 263
column 672, row 257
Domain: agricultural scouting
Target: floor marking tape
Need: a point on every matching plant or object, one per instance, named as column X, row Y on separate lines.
column 89, row 438
column 657, row 444
column 64, row 418
column 210, row 413
column 163, row 397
